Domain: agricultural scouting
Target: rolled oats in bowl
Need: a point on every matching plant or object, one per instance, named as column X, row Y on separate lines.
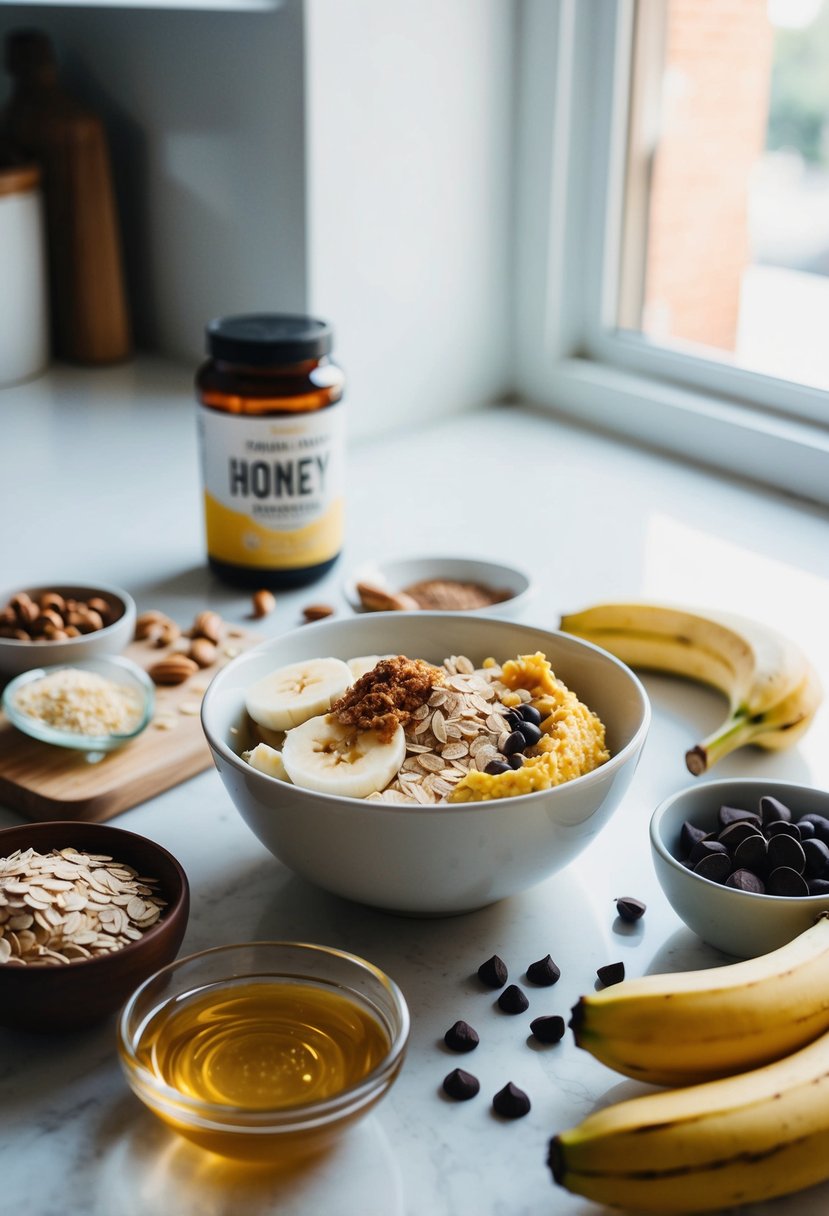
column 407, row 731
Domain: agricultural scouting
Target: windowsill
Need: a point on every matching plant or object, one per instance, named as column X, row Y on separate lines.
column 778, row 452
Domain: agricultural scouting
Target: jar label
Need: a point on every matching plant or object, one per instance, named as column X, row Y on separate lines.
column 273, row 487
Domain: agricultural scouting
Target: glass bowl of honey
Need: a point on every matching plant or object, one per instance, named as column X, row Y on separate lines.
column 266, row 1051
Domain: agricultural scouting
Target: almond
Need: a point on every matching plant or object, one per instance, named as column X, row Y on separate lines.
column 147, row 622
column 263, row 603
column 317, row 612
column 174, row 669
column 47, row 617
column 165, row 633
column 203, row 652
column 51, row 599
column 104, row 609
column 375, row 599
column 207, row 625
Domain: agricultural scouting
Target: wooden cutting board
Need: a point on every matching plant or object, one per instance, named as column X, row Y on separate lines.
column 41, row 781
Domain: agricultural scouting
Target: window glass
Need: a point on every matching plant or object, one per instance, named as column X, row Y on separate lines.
column 726, row 227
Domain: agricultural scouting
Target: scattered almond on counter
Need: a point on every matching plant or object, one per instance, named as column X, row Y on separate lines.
column 172, row 669
column 208, row 625
column 317, row 612
column 203, row 652
column 147, row 623
column 263, row 603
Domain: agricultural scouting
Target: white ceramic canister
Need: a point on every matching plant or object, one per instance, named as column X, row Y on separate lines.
column 24, row 320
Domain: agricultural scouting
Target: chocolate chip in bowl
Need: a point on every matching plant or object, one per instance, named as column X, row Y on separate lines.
column 763, row 893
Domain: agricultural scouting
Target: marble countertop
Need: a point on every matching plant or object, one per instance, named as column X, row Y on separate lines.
column 100, row 480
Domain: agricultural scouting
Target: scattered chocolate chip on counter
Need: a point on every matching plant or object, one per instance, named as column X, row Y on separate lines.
column 511, row 1102
column 630, row 909
column 513, row 1000
column 493, row 972
column 461, row 1037
column 461, row 1085
column 611, row 973
column 549, row 1028
column 544, row 972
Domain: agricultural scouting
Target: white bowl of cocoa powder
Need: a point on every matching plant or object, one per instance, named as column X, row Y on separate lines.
column 439, row 584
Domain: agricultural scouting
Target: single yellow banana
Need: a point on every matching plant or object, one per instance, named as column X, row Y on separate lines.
column 778, row 727
column 693, row 1026
column 739, row 1140
column 772, row 691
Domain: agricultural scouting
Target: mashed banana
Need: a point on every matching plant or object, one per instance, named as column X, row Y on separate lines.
column 572, row 741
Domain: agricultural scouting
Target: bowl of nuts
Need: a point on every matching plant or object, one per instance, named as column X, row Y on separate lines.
column 87, row 912
column 427, row 763
column 744, row 862
column 61, row 622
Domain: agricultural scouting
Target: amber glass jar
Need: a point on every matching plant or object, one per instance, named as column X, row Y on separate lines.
column 271, row 433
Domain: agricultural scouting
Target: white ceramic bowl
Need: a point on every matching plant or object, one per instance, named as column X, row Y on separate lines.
column 737, row 922
column 16, row 656
column 396, row 573
column 429, row 860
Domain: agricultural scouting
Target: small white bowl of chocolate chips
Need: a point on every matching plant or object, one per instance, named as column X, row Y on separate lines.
column 439, row 584
column 744, row 861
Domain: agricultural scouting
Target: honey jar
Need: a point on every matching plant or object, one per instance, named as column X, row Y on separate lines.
column 271, row 432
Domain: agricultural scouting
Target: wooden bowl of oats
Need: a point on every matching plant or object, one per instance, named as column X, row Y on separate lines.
column 87, row 912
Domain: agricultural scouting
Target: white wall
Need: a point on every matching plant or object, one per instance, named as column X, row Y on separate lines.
column 205, row 116
column 351, row 157
column 409, row 158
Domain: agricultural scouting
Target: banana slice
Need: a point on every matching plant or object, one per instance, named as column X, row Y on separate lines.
column 365, row 662
column 325, row 756
column 291, row 695
column 267, row 760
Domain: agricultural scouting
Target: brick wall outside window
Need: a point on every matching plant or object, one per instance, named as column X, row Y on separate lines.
column 714, row 116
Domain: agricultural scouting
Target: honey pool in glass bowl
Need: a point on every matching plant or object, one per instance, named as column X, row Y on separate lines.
column 266, row 1051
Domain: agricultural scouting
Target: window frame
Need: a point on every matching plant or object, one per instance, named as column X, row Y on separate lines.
column 574, row 66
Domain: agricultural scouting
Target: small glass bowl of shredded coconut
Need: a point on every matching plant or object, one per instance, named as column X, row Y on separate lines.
column 94, row 705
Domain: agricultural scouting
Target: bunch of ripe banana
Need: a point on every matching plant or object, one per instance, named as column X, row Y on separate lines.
column 717, row 1143
column 772, row 689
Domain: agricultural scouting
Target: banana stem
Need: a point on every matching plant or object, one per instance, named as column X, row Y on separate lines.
column 732, row 734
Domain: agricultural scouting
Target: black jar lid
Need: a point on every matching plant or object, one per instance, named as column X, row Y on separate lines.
column 263, row 339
